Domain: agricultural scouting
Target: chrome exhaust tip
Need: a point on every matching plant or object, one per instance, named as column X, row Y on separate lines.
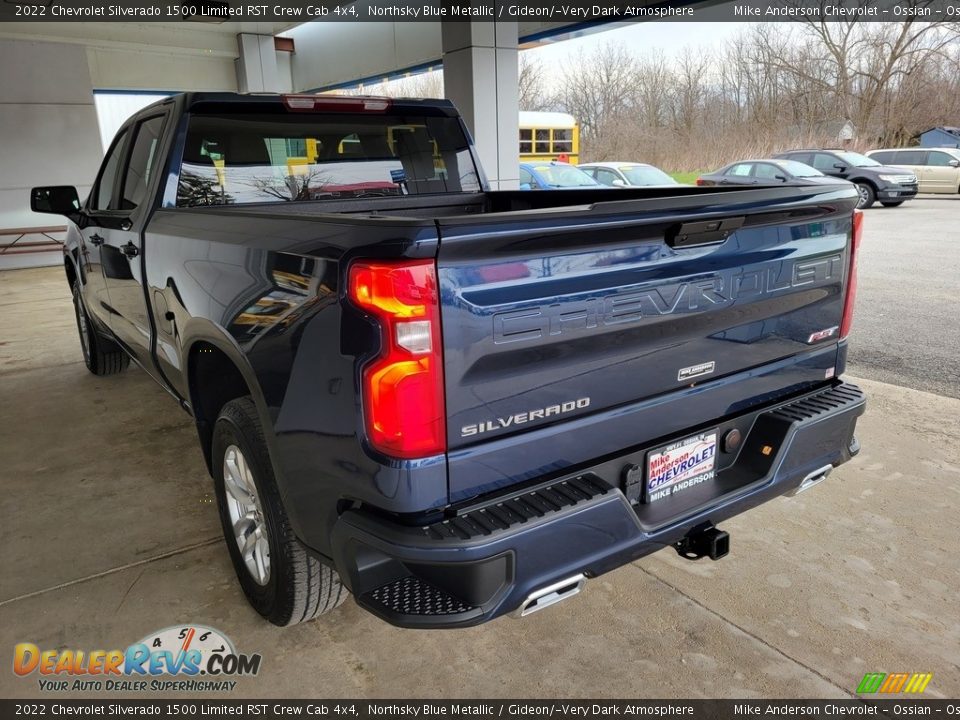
column 814, row 478
column 551, row 595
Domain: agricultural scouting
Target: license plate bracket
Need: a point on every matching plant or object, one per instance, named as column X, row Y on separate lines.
column 676, row 467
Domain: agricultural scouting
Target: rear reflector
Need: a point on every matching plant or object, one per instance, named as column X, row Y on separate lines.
column 335, row 103
column 402, row 388
column 851, row 296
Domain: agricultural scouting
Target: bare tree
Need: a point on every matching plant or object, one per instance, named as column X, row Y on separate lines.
column 598, row 86
column 531, row 84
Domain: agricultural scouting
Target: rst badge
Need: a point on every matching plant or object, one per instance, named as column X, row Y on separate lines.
column 695, row 371
column 822, row 334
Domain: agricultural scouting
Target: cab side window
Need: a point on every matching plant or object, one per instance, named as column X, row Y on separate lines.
column 825, row 163
column 102, row 196
column 940, row 159
column 142, row 166
column 766, row 172
column 607, row 177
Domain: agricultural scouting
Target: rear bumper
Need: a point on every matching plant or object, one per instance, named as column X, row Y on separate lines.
column 488, row 558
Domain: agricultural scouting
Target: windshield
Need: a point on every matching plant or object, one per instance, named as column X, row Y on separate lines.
column 247, row 158
column 646, row 175
column 563, row 176
column 799, row 169
column 857, row 160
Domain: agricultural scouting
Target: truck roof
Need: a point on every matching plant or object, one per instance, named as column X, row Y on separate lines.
column 226, row 101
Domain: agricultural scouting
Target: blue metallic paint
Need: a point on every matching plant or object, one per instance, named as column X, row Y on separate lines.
column 264, row 285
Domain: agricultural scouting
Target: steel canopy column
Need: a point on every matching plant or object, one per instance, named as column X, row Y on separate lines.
column 480, row 76
column 257, row 64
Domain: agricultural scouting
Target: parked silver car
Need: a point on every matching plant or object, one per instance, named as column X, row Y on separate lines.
column 628, row 174
column 937, row 169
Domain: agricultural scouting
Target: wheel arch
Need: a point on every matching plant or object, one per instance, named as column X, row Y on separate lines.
column 217, row 371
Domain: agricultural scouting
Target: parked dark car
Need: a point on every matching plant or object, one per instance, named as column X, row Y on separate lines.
column 890, row 185
column 766, row 172
column 455, row 402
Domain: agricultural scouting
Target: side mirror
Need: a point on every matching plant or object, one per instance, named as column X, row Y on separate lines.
column 954, row 163
column 526, row 186
column 618, row 183
column 781, row 178
column 55, row 200
column 840, row 166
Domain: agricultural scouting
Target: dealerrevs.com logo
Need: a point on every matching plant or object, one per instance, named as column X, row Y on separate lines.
column 179, row 658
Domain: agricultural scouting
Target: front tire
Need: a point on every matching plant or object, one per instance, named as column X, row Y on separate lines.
column 868, row 196
column 101, row 356
column 281, row 580
column 897, row 203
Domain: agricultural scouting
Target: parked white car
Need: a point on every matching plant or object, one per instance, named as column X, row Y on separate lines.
column 937, row 169
column 628, row 174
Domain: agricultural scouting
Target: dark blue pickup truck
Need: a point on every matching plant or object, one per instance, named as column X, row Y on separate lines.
column 452, row 402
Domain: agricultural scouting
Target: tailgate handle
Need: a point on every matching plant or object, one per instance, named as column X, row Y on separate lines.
column 702, row 232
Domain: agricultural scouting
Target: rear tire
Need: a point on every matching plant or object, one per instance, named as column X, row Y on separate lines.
column 898, row 203
column 281, row 580
column 101, row 356
column 868, row 196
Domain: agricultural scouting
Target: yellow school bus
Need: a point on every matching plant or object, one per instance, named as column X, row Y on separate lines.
column 549, row 136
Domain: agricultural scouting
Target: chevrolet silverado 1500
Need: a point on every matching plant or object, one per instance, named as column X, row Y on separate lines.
column 454, row 402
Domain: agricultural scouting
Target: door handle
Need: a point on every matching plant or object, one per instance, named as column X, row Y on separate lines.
column 96, row 240
column 130, row 250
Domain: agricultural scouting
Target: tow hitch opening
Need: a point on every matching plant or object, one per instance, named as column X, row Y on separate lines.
column 708, row 542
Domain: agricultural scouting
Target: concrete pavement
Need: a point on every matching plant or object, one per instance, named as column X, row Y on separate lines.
column 110, row 533
column 906, row 323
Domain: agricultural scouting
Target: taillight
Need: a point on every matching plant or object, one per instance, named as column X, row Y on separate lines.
column 403, row 403
column 701, row 182
column 851, row 296
column 335, row 103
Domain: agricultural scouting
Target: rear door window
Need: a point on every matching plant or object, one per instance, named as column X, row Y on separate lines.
column 741, row 170
column 911, row 157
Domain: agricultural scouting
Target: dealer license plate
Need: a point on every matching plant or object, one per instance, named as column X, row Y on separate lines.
column 681, row 466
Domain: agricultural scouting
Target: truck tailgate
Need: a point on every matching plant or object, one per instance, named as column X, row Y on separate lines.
column 552, row 315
